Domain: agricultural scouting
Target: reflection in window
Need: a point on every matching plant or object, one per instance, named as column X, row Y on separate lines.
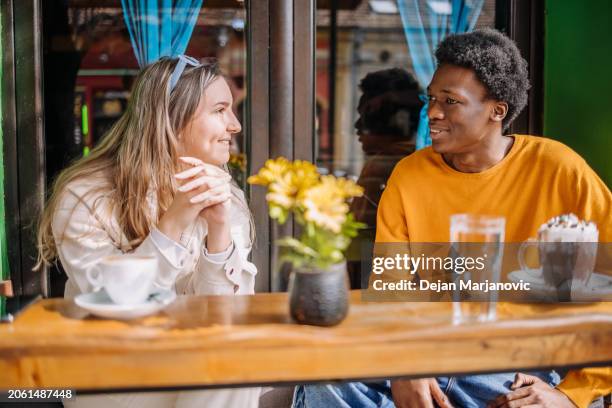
column 368, row 113
column 90, row 66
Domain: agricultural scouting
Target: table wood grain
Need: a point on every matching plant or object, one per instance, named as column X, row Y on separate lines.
column 244, row 340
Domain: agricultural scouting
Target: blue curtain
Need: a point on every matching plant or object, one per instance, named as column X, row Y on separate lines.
column 160, row 27
column 426, row 23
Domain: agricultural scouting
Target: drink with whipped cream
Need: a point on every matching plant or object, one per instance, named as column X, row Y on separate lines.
column 568, row 249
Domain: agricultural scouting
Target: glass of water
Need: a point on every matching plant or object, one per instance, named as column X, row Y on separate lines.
column 479, row 238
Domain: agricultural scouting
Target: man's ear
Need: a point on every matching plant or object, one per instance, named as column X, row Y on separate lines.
column 499, row 112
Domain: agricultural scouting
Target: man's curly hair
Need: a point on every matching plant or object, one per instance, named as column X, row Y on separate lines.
column 497, row 62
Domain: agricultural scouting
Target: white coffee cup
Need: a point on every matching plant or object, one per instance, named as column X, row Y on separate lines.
column 127, row 279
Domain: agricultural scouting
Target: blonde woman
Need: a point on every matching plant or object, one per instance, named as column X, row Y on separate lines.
column 156, row 185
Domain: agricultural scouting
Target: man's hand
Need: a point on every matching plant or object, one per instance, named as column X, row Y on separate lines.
column 418, row 394
column 532, row 392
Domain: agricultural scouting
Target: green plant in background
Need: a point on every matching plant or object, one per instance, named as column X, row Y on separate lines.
column 318, row 203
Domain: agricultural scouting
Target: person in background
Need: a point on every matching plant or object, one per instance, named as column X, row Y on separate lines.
column 388, row 118
column 479, row 87
column 156, row 185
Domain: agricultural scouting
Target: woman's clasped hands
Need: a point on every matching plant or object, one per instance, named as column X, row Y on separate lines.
column 204, row 191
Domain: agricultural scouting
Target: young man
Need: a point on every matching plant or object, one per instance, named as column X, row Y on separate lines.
column 478, row 89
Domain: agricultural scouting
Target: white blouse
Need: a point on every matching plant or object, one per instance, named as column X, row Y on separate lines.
column 86, row 230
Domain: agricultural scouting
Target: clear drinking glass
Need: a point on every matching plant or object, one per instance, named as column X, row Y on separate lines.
column 477, row 236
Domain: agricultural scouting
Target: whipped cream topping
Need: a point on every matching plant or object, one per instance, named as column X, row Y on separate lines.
column 568, row 228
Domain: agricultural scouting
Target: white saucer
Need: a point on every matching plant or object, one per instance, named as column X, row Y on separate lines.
column 599, row 287
column 99, row 304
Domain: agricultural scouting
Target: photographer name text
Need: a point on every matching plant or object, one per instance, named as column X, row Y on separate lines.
column 441, row 286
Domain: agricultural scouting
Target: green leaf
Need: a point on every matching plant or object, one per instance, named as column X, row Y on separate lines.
column 297, row 246
column 310, row 229
column 278, row 213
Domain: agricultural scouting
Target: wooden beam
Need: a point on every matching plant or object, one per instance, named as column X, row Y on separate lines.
column 258, row 131
column 304, row 31
column 30, row 144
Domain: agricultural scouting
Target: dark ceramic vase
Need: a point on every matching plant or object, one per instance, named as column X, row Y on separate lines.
column 319, row 297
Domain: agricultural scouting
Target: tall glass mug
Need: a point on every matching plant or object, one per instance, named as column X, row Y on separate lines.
column 567, row 258
column 476, row 240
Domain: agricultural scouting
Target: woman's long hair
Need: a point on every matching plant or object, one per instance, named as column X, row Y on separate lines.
column 139, row 153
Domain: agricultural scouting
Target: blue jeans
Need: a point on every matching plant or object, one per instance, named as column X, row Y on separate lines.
column 472, row 391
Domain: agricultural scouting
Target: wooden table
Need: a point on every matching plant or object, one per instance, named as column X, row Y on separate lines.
column 231, row 341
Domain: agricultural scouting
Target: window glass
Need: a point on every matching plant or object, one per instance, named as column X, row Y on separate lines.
column 368, row 96
column 90, row 65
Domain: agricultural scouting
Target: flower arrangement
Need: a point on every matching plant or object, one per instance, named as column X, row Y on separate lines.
column 318, row 203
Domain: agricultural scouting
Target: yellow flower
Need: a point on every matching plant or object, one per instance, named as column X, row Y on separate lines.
column 325, row 205
column 349, row 188
column 272, row 170
column 285, row 180
column 304, row 175
column 282, row 192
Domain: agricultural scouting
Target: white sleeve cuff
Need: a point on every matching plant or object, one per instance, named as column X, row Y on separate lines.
column 219, row 257
column 174, row 252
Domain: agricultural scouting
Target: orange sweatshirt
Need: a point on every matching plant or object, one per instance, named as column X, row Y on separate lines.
column 538, row 179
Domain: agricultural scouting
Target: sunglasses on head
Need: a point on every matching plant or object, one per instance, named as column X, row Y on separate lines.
column 183, row 61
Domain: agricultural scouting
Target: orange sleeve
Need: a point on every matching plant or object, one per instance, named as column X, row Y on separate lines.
column 390, row 219
column 594, row 202
column 583, row 386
